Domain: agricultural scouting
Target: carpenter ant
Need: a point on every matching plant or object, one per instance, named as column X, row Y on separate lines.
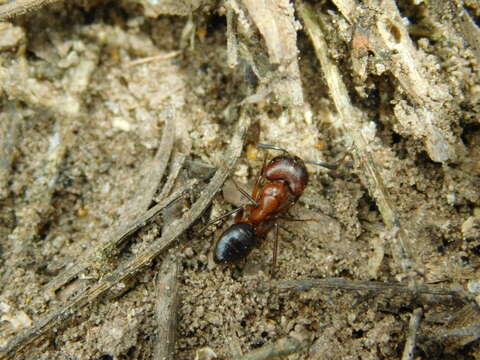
column 278, row 187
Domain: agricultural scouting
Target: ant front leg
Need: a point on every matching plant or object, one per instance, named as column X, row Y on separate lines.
column 258, row 182
column 275, row 252
column 244, row 193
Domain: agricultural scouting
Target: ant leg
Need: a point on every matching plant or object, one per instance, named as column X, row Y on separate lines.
column 244, row 193
column 256, row 187
column 275, row 252
column 293, row 219
column 285, row 229
column 221, row 218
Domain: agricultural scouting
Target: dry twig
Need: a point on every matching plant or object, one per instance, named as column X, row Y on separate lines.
column 56, row 317
column 166, row 309
column 16, row 8
column 412, row 334
column 277, row 65
column 359, row 285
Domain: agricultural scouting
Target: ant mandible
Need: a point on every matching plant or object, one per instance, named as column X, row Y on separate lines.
column 278, row 187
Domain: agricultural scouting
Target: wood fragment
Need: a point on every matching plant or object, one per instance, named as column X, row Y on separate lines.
column 453, row 21
column 231, row 330
column 16, row 8
column 414, row 323
column 166, row 309
column 351, row 121
column 360, row 285
column 280, row 349
column 54, row 318
column 276, row 23
column 423, row 115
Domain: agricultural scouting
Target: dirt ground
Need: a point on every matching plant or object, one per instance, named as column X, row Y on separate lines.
column 87, row 88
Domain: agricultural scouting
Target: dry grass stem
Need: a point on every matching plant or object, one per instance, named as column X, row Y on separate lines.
column 412, row 334
column 463, row 328
column 150, row 59
column 166, row 309
column 360, row 285
column 120, row 121
column 472, row 332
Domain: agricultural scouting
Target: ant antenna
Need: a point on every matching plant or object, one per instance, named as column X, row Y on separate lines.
column 319, row 163
column 271, row 147
column 323, row 164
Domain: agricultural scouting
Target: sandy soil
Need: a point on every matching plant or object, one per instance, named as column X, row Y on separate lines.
column 80, row 123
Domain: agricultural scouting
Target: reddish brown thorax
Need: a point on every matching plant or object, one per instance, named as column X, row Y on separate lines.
column 275, row 198
column 287, row 177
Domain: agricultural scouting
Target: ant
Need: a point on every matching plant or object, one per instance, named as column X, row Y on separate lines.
column 278, row 187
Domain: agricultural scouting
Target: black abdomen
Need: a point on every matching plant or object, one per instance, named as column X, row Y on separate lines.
column 235, row 243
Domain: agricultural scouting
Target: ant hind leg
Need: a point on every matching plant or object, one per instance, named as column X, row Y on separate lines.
column 275, row 252
column 211, row 222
